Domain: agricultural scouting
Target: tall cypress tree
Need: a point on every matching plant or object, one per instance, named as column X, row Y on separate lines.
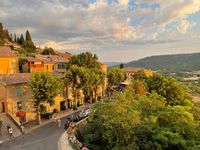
column 15, row 37
column 1, row 27
column 11, row 37
column 21, row 39
column 28, row 36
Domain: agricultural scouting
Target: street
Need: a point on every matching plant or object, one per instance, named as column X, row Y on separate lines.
column 43, row 138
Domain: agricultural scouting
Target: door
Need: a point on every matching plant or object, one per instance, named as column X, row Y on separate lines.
column 3, row 107
column 62, row 106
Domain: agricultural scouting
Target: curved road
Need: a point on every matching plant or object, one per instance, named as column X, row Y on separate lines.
column 43, row 138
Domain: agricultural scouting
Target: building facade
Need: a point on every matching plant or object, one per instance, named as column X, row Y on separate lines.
column 8, row 61
column 16, row 98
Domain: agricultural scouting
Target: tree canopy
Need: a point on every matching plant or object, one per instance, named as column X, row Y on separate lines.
column 45, row 88
column 84, row 74
column 48, row 51
column 128, row 121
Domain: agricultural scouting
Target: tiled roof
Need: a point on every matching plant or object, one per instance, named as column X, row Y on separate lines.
column 32, row 59
column 50, row 58
column 65, row 55
column 132, row 69
column 15, row 78
column 5, row 51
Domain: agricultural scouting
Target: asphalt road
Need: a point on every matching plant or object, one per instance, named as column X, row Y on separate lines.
column 43, row 138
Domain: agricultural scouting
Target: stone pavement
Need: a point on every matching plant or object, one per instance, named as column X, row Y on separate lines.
column 4, row 133
column 63, row 142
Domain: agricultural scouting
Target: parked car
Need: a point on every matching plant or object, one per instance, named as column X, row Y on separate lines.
column 85, row 113
column 74, row 117
column 67, row 123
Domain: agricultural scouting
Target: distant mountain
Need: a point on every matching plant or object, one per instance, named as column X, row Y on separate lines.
column 172, row 63
column 110, row 64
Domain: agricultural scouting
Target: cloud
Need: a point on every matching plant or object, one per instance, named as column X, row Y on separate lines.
column 184, row 26
column 101, row 24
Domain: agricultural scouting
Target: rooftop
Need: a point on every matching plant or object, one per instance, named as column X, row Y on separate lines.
column 133, row 69
column 5, row 51
column 50, row 58
column 18, row 78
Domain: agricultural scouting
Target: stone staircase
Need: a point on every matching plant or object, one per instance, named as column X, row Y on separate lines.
column 8, row 121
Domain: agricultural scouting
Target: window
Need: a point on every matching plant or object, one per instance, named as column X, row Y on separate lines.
column 47, row 67
column 19, row 105
column 18, row 91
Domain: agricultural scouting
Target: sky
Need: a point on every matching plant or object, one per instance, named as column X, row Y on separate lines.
column 115, row 30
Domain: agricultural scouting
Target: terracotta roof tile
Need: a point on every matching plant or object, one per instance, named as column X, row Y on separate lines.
column 15, row 78
column 5, row 51
column 132, row 69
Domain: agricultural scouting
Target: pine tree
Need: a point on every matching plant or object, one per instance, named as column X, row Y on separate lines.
column 121, row 66
column 11, row 37
column 15, row 37
column 28, row 36
column 21, row 39
column 1, row 27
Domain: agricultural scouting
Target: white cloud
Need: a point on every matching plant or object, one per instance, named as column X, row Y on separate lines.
column 77, row 24
column 184, row 26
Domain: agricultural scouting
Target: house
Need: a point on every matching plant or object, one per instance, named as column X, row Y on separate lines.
column 8, row 61
column 53, row 63
column 45, row 63
column 33, row 65
column 130, row 71
column 16, row 98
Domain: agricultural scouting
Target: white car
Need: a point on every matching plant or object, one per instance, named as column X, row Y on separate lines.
column 85, row 113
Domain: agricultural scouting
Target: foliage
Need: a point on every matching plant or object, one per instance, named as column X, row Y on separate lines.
column 48, row 51
column 115, row 76
column 121, row 66
column 174, row 92
column 128, row 121
column 84, row 73
column 140, row 75
column 22, row 61
column 139, row 87
column 86, row 59
column 178, row 63
column 45, row 88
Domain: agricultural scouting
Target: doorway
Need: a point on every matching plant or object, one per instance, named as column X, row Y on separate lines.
column 62, row 105
column 3, row 107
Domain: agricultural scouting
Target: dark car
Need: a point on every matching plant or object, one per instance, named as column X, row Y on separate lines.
column 74, row 117
column 67, row 123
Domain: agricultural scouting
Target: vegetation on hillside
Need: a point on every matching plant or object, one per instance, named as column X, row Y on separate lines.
column 18, row 43
column 169, row 63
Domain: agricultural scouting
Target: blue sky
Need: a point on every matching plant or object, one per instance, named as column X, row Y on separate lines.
column 116, row 30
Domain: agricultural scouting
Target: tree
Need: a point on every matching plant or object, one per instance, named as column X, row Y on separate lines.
column 45, row 88
column 28, row 36
column 84, row 73
column 174, row 92
column 121, row 66
column 15, row 37
column 115, row 77
column 139, row 87
column 128, row 121
column 48, row 51
column 140, row 75
column 11, row 37
column 21, row 40
column 73, row 79
column 86, row 59
column 28, row 43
